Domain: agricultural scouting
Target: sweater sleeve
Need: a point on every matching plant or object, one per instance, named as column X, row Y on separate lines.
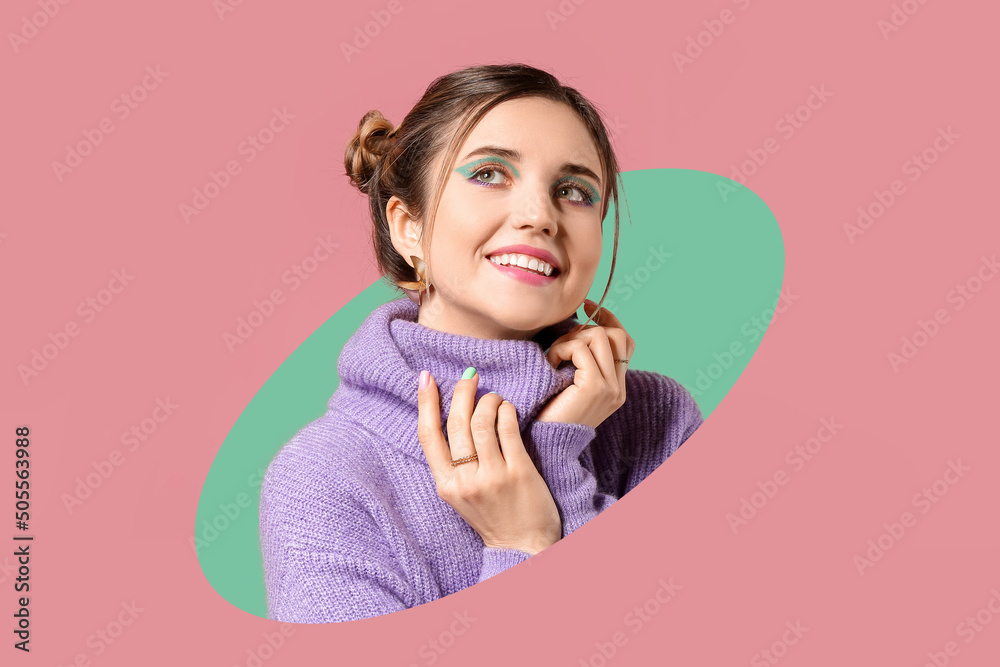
column 662, row 417
column 325, row 558
column 496, row 561
column 557, row 448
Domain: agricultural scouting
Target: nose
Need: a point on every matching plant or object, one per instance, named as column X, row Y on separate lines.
column 536, row 209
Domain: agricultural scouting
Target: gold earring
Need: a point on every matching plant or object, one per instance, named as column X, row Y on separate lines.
column 415, row 290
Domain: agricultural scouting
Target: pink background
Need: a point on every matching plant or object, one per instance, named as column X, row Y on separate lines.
column 824, row 358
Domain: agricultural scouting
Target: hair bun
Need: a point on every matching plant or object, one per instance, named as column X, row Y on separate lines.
column 366, row 149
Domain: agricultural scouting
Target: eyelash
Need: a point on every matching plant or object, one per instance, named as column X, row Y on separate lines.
column 587, row 192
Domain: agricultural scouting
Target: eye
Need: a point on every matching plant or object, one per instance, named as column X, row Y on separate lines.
column 584, row 194
column 491, row 172
column 571, row 189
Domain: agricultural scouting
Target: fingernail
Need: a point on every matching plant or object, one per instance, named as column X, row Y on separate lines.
column 492, row 392
column 469, row 372
column 425, row 379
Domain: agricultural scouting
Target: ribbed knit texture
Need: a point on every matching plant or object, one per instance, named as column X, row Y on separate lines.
column 351, row 524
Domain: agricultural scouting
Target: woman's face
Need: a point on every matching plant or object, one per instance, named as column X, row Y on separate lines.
column 527, row 184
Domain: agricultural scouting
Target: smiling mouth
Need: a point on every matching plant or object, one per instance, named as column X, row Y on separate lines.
column 523, row 275
column 525, row 263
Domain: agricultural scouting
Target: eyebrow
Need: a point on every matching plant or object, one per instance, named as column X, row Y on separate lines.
column 515, row 156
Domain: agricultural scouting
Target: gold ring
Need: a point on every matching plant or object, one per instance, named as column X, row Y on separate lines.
column 464, row 459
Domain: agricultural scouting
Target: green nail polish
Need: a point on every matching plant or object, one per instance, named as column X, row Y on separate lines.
column 469, row 372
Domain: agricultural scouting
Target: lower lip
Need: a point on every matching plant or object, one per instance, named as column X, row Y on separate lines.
column 523, row 275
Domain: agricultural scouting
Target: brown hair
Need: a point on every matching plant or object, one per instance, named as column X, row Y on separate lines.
column 383, row 161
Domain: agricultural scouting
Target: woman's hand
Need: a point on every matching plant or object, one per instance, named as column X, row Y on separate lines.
column 501, row 495
column 598, row 388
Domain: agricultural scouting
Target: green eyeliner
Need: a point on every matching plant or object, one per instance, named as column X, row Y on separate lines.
column 588, row 187
column 471, row 168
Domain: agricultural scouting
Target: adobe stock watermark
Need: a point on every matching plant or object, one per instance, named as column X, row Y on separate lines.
column 787, row 126
column 914, row 167
column 563, row 11
column 88, row 309
column 797, row 457
column 7, row 569
column 294, row 276
column 122, row 106
column 714, row 27
column 223, row 7
column 926, row 330
column 229, row 512
column 751, row 330
column 249, row 149
column 779, row 647
column 616, row 127
column 636, row 278
column 381, row 18
column 924, row 500
column 968, row 629
column 266, row 649
column 105, row 636
column 104, row 468
column 30, row 25
column 432, row 650
column 898, row 17
column 635, row 620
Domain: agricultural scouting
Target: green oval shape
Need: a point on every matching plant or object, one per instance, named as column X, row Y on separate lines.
column 698, row 270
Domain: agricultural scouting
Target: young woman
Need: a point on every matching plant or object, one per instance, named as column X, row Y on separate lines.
column 488, row 202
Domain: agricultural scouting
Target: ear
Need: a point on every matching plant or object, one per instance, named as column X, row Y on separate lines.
column 404, row 230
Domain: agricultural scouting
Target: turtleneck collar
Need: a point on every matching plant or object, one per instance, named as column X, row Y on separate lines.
column 380, row 366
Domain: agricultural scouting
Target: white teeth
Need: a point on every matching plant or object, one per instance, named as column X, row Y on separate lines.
column 524, row 261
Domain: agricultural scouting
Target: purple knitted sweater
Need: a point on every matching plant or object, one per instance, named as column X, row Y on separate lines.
column 351, row 525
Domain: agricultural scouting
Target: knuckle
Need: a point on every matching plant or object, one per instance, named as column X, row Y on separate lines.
column 425, row 432
column 509, row 431
column 482, row 423
column 522, row 475
column 454, row 426
column 469, row 489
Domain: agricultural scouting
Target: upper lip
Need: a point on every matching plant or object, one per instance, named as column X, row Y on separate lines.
column 522, row 249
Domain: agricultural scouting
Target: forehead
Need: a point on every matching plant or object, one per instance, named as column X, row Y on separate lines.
column 543, row 131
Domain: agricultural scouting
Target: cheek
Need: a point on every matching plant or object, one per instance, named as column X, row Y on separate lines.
column 593, row 252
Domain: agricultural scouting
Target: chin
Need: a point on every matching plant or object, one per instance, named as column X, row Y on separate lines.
column 528, row 323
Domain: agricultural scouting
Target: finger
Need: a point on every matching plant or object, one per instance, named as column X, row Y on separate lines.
column 603, row 316
column 622, row 347
column 429, row 430
column 579, row 353
column 618, row 340
column 511, row 444
column 484, row 437
column 608, row 320
column 601, row 347
column 596, row 339
column 459, row 434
